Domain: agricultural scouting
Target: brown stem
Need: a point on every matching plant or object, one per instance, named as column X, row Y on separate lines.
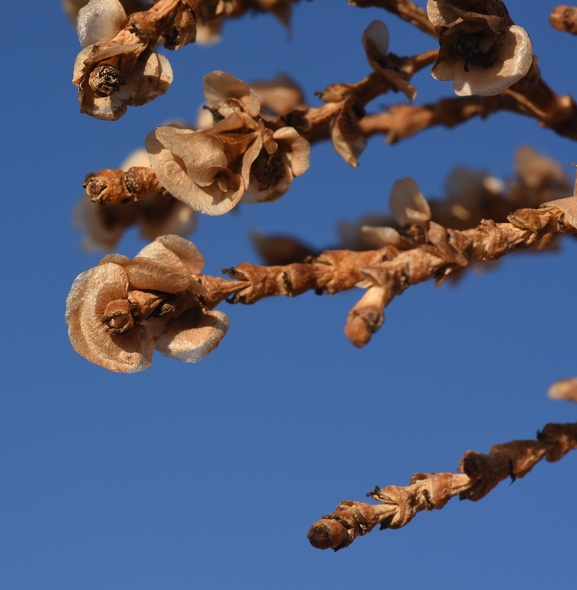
column 404, row 9
column 479, row 474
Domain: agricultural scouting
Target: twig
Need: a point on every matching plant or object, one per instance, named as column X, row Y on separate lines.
column 478, row 475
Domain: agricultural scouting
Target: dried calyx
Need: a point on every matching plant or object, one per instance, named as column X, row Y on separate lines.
column 120, row 311
column 481, row 50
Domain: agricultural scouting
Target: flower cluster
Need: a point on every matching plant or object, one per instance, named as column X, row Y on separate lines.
column 121, row 310
column 481, row 50
column 241, row 156
column 117, row 67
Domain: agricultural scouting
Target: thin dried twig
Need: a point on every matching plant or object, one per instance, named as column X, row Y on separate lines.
column 388, row 271
column 478, row 475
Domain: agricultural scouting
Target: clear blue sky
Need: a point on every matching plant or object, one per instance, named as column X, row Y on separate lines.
column 209, row 475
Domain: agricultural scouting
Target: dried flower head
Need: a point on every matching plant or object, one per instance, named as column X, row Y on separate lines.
column 115, row 68
column 120, row 311
column 154, row 215
column 72, row 7
column 211, row 169
column 482, row 53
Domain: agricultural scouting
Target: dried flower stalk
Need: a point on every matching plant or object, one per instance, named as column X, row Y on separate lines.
column 478, row 475
column 435, row 253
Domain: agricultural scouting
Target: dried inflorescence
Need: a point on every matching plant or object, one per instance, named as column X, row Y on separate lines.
column 120, row 311
column 241, row 156
column 117, row 67
column 479, row 474
column 481, row 50
column 151, row 209
column 418, row 251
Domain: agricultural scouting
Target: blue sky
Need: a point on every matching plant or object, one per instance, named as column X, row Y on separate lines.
column 209, row 475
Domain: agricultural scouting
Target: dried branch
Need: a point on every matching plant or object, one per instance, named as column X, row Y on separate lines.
column 388, row 271
column 404, row 9
column 478, row 475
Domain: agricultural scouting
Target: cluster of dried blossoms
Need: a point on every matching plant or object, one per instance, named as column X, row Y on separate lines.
column 250, row 144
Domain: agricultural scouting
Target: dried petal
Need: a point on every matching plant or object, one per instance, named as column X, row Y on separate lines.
column 440, row 13
column 86, row 305
column 146, row 274
column 151, row 77
column 191, row 336
column 346, row 135
column 100, row 20
column 407, row 204
column 176, row 253
column 515, row 58
column 224, row 92
column 172, row 173
column 376, row 41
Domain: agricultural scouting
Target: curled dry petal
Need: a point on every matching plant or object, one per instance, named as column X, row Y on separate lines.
column 175, row 253
column 407, row 204
column 224, row 92
column 207, row 170
column 100, row 20
column 440, row 13
column 146, row 274
column 191, row 336
column 346, row 135
column 86, row 306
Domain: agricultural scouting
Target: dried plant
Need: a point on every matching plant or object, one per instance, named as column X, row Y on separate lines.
column 254, row 140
